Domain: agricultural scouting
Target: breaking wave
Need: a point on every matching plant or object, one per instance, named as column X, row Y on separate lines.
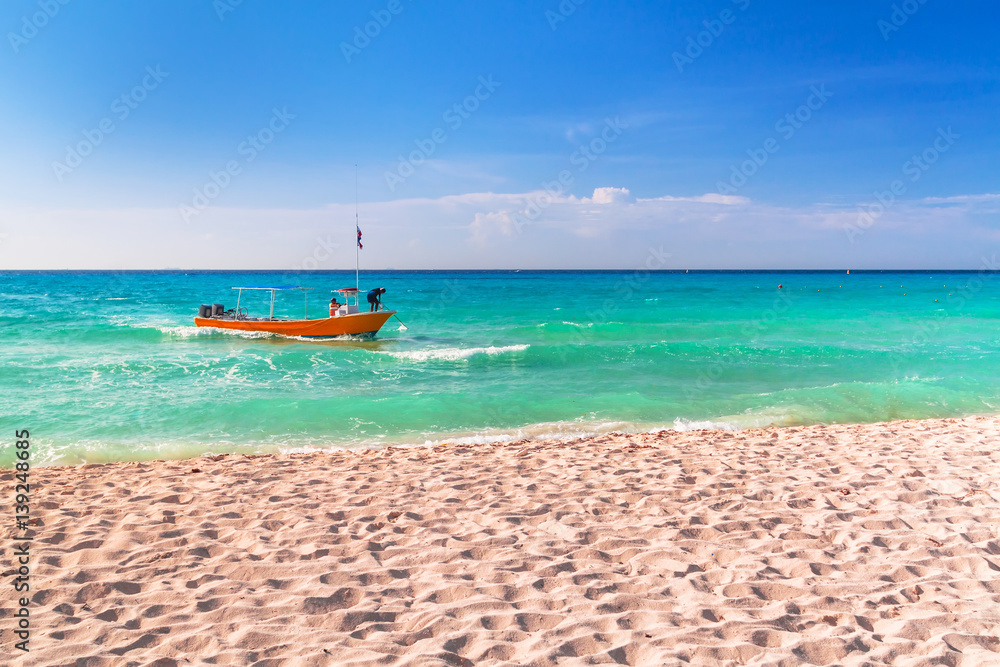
column 454, row 353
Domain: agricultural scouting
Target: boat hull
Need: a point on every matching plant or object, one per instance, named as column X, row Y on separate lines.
column 357, row 324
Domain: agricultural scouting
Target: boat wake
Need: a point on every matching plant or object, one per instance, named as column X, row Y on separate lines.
column 453, row 353
column 187, row 331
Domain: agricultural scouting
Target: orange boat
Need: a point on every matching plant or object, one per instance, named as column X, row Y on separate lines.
column 347, row 320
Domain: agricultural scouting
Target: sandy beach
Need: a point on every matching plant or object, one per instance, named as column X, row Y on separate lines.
column 850, row 545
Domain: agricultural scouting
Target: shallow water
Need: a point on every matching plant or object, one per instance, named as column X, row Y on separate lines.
column 108, row 366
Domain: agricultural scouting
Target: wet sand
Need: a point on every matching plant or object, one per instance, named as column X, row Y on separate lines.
column 852, row 545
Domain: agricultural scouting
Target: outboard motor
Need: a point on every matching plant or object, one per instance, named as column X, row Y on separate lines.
column 205, row 310
column 217, row 310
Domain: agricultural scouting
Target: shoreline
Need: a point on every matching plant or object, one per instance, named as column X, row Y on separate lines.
column 786, row 545
column 551, row 433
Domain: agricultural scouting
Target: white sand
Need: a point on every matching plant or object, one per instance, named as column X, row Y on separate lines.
column 851, row 545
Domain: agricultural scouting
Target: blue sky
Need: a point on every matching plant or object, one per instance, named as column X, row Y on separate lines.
column 649, row 110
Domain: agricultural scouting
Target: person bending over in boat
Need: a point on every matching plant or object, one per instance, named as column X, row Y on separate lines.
column 375, row 298
column 334, row 307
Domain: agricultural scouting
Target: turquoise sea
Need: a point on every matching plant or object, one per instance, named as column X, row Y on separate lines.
column 108, row 366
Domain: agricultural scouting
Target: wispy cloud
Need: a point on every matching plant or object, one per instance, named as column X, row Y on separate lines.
column 609, row 229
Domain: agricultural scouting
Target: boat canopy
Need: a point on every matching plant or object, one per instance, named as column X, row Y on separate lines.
column 274, row 287
column 346, row 292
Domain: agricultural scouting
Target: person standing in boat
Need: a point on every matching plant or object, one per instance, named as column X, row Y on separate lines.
column 375, row 298
column 334, row 307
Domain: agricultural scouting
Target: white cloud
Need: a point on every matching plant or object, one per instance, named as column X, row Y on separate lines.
column 612, row 196
column 483, row 223
column 710, row 198
column 610, row 229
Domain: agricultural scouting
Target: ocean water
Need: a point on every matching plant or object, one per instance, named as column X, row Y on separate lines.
column 108, row 366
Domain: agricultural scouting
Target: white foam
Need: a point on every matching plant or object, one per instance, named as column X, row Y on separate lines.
column 684, row 425
column 555, row 431
column 453, row 353
column 186, row 331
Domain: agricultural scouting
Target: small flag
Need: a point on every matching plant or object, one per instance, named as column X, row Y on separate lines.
column 360, row 247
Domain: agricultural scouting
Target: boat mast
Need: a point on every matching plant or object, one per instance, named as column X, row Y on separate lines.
column 357, row 241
